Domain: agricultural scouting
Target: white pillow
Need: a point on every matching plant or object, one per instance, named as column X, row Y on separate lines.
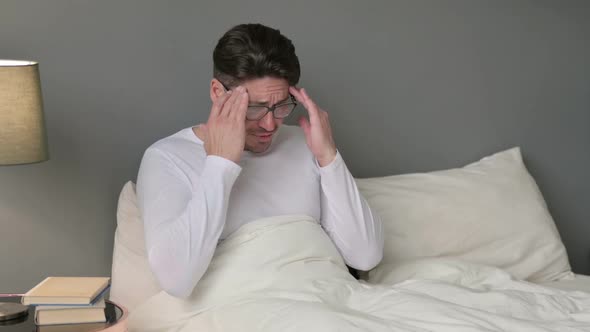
column 132, row 280
column 490, row 212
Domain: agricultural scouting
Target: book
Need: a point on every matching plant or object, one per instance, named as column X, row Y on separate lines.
column 100, row 303
column 67, row 291
column 53, row 314
column 88, row 327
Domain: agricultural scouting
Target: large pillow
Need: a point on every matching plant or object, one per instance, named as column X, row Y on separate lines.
column 490, row 212
column 132, row 280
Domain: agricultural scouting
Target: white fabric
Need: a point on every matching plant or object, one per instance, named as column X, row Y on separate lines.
column 490, row 212
column 132, row 281
column 189, row 201
column 284, row 274
column 577, row 282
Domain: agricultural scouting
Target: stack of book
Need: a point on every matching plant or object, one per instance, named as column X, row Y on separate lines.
column 68, row 300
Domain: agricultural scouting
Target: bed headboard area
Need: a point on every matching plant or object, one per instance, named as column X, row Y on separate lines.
column 410, row 86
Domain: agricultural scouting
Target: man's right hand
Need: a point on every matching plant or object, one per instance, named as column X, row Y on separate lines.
column 225, row 131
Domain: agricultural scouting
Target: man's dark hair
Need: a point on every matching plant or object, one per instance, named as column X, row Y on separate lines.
column 249, row 51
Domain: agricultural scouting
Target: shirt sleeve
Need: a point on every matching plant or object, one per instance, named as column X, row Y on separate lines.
column 347, row 218
column 183, row 215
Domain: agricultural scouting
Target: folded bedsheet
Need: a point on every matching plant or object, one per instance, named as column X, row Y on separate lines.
column 284, row 274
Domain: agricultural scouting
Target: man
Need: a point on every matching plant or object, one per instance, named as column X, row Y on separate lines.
column 201, row 184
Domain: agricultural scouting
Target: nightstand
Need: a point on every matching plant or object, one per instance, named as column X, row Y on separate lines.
column 116, row 320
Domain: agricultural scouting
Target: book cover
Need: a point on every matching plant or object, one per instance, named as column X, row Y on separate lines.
column 67, row 290
column 100, row 304
column 53, row 314
column 87, row 327
column 57, row 317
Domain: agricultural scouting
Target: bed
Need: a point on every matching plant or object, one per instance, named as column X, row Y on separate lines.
column 467, row 249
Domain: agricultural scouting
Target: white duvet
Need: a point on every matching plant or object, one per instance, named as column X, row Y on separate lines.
column 284, row 274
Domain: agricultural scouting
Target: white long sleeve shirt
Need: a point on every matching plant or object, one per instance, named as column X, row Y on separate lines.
column 190, row 201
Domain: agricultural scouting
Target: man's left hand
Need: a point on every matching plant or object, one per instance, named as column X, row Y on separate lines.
column 318, row 133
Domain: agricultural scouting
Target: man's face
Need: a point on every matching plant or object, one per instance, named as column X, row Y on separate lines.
column 266, row 91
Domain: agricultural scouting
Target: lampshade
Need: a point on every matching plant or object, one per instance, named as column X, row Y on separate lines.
column 23, row 138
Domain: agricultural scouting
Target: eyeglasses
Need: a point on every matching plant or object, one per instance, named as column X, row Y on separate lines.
column 280, row 111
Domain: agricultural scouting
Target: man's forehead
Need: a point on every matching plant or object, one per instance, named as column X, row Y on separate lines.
column 267, row 90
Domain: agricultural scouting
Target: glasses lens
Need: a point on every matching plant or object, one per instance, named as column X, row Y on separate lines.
column 283, row 111
column 255, row 113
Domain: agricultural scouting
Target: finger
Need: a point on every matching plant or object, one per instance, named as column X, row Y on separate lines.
column 309, row 105
column 308, row 99
column 229, row 102
column 237, row 102
column 219, row 102
column 297, row 94
column 240, row 112
column 225, row 110
column 312, row 108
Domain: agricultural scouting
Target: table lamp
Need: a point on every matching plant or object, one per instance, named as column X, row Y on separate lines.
column 23, row 139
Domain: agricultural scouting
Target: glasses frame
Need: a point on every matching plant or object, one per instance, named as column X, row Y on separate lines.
column 271, row 109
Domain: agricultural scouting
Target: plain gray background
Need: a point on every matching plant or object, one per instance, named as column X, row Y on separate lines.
column 410, row 86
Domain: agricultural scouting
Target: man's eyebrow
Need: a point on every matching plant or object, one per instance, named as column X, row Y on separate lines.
column 264, row 103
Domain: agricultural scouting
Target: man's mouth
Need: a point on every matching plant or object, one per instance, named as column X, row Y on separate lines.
column 264, row 137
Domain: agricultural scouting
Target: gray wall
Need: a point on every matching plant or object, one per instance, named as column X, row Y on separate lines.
column 411, row 86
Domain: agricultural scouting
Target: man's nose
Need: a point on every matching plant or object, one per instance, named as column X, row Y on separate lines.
column 267, row 122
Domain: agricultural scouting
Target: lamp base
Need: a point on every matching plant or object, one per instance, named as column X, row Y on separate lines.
column 10, row 310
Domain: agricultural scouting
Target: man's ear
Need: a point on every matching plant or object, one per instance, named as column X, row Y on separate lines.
column 216, row 90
